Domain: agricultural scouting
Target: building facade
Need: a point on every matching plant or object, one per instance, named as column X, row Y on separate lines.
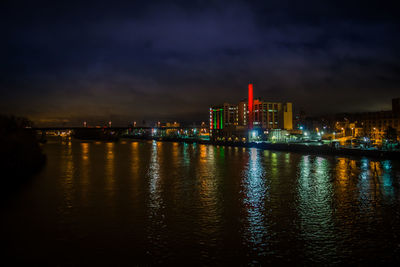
column 273, row 115
column 251, row 113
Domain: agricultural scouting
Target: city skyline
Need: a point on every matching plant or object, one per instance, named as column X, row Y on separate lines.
column 202, row 132
column 170, row 61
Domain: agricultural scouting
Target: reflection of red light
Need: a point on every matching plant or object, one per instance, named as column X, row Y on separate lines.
column 250, row 105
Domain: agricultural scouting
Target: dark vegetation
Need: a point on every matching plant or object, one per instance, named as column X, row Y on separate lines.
column 21, row 156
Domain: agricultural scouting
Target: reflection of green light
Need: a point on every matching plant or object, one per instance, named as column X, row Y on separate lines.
column 221, row 119
column 215, row 120
column 386, row 164
column 387, row 178
column 222, row 152
column 274, row 163
column 186, row 157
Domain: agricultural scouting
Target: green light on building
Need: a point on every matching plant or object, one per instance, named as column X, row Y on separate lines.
column 215, row 119
column 221, row 120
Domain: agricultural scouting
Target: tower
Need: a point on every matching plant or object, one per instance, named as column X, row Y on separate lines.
column 250, row 106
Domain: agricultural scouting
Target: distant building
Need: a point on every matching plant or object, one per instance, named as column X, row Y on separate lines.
column 377, row 123
column 368, row 124
column 172, row 124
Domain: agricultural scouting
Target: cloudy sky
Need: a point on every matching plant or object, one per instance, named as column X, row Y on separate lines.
column 171, row 60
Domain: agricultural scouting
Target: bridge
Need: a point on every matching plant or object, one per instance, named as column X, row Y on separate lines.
column 116, row 128
column 128, row 132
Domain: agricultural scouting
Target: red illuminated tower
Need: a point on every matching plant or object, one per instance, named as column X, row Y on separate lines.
column 250, row 106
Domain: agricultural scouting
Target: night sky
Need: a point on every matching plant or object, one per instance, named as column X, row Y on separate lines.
column 160, row 60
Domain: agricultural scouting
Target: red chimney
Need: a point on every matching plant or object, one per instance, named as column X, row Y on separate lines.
column 250, row 106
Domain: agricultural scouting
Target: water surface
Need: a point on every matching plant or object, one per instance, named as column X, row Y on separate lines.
column 160, row 203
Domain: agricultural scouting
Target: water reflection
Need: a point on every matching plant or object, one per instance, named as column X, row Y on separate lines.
column 109, row 169
column 85, row 167
column 154, row 179
column 135, row 160
column 156, row 214
column 208, row 191
column 206, row 204
column 67, row 176
column 387, row 180
column 255, row 191
column 186, row 155
column 315, row 207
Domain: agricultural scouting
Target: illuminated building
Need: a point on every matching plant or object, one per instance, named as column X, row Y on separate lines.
column 223, row 116
column 242, row 113
column 372, row 124
column 229, row 120
column 273, row 115
column 172, row 124
column 172, row 132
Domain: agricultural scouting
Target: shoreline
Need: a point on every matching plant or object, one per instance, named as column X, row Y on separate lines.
column 286, row 147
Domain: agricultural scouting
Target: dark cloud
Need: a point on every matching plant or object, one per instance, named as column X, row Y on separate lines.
column 171, row 60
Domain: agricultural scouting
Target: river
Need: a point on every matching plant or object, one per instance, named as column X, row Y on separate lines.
column 148, row 202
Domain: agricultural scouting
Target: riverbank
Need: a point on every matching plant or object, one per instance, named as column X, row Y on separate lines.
column 288, row 147
column 21, row 156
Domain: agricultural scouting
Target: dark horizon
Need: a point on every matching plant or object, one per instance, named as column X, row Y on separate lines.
column 101, row 61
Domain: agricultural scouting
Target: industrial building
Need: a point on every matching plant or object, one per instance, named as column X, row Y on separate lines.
column 236, row 120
